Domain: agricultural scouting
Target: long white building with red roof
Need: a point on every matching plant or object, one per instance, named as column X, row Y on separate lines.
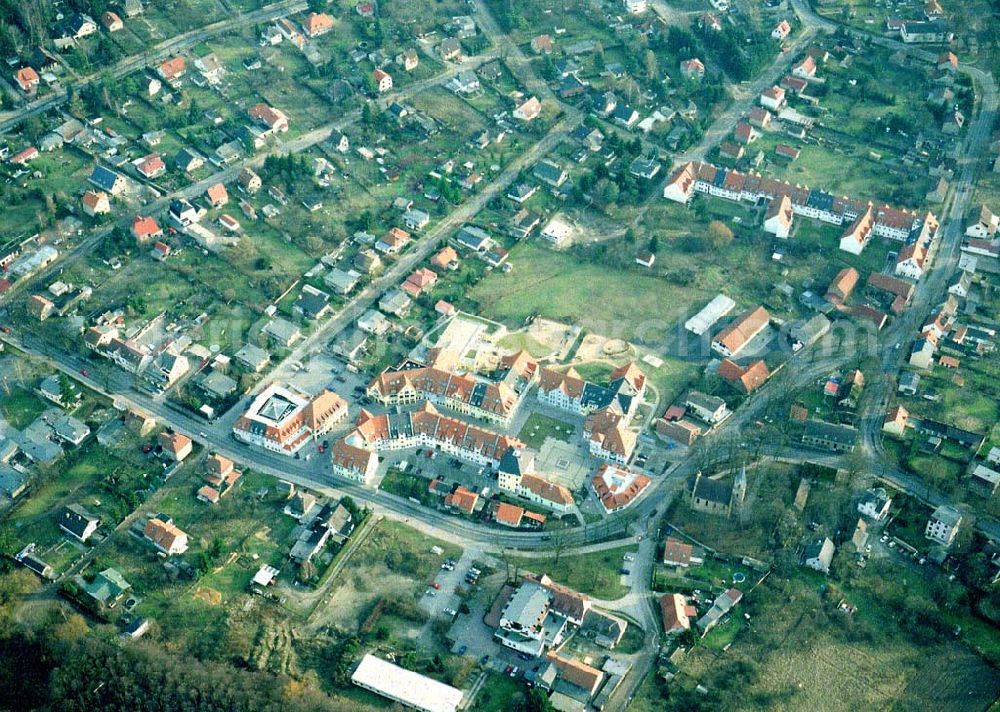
column 885, row 220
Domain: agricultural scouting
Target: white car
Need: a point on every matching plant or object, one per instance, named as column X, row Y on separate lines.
column 450, row 611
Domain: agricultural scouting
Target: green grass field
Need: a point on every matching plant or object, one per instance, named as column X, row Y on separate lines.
column 596, row 574
column 519, row 341
column 20, row 407
column 558, row 286
column 538, row 428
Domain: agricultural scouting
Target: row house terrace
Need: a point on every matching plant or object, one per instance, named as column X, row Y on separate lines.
column 570, row 392
column 426, row 427
column 887, row 221
column 494, row 400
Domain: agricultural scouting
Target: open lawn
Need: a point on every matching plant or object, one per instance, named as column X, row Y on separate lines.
column 520, row 341
column 560, row 287
column 538, row 428
column 20, row 407
column 596, row 574
column 500, row 693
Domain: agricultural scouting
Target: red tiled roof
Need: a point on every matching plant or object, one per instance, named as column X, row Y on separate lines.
column 509, row 514
column 736, row 335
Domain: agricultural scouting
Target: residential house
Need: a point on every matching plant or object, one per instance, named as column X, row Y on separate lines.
column 692, row 68
column 550, row 173
column 987, row 225
column 393, row 241
column 676, row 612
column 416, row 219
column 943, row 525
column 922, row 355
column 217, row 195
column 395, row 302
column 383, row 80
column 450, row 50
column 78, row 522
column 151, row 166
column 106, row 590
column 521, row 192
column 282, row 332
column 773, row 98
column 167, row 368
column 374, row 323
column 759, row 117
column 778, row 219
column 249, row 181
column 252, row 358
column 274, row 119
column 445, row 259
column 420, row 281
column 317, row 24
column 679, row 554
column 108, row 181
column 166, row 536
column 745, row 133
column 723, row 604
column 145, row 229
column 342, row 282
column 984, row 481
column 182, row 212
column 408, row 60
column 175, row 445
column 189, row 160
column 27, row 80
column 172, row 69
column 734, row 338
column 96, row 203
column 830, row 436
column 529, row 110
column 875, row 504
column 645, row 168
column 895, row 421
column 805, row 68
column 542, row 44
column 624, row 115
column 818, row 554
column 312, row 303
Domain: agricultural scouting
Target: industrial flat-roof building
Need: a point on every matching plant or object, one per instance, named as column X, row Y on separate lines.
column 711, row 313
column 405, row 686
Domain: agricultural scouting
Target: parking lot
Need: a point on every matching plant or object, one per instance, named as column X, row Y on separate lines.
column 469, row 632
column 326, row 371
